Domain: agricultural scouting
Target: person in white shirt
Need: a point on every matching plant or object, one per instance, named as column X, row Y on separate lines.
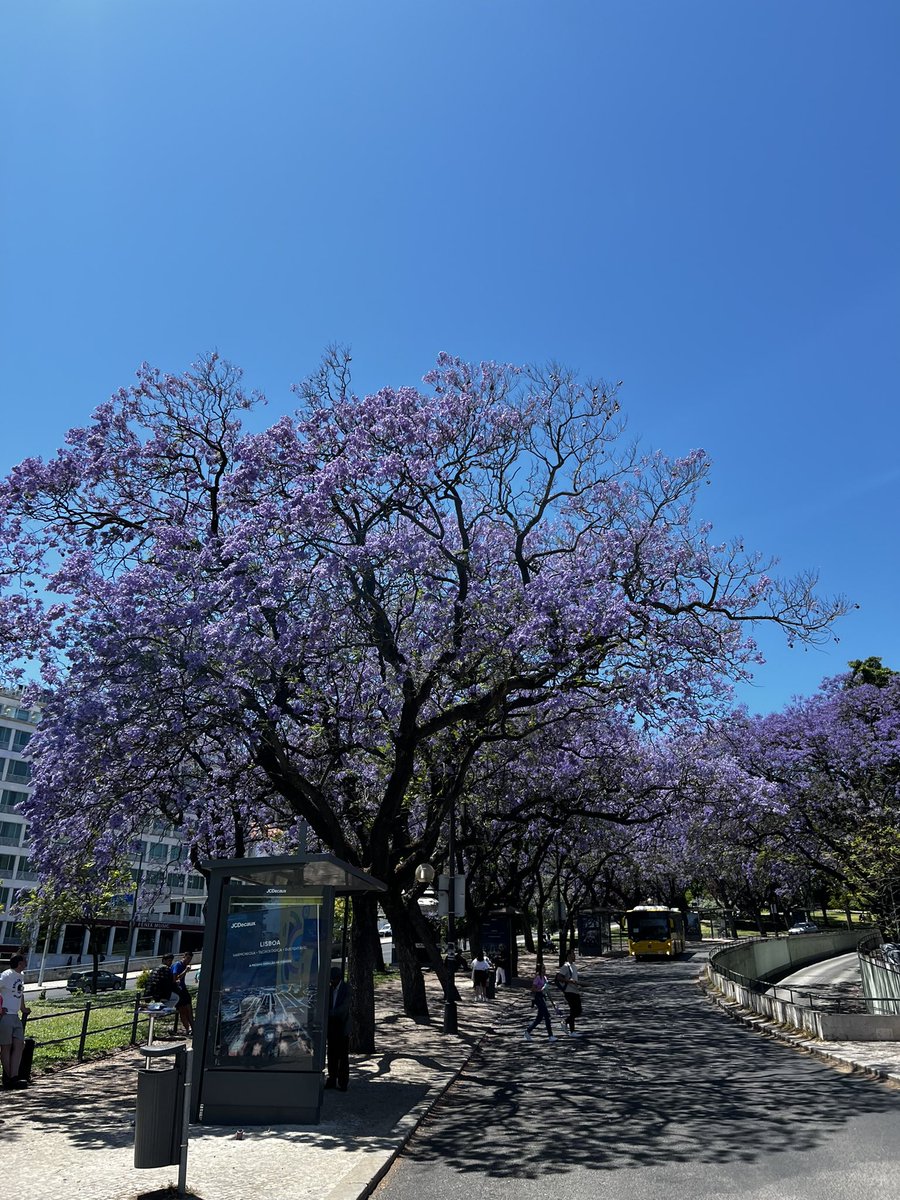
column 12, row 1031
column 481, row 967
column 572, row 992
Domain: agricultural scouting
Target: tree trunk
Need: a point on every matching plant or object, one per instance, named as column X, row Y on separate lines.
column 405, row 934
column 528, row 930
column 363, row 939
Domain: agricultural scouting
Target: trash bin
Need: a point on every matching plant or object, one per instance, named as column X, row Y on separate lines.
column 159, row 1111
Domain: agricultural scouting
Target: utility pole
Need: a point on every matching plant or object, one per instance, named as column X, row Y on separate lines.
column 133, row 918
column 450, row 1014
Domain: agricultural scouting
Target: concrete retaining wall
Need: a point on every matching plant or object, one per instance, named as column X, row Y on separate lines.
column 773, row 958
column 765, row 961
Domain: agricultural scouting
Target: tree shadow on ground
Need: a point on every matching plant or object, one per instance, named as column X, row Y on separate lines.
column 94, row 1109
column 662, row 1077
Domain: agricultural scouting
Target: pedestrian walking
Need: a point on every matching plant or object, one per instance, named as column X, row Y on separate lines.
column 338, row 1036
column 539, row 1001
column 570, row 984
column 481, row 968
column 12, row 1029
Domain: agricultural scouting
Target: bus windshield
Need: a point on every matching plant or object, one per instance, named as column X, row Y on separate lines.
column 648, row 926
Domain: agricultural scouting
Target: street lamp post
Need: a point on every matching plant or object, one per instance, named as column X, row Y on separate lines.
column 132, row 920
column 450, row 1013
column 49, row 931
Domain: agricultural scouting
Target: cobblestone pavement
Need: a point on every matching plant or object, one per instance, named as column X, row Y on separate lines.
column 52, row 1132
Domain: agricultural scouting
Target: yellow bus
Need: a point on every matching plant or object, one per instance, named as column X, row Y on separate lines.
column 654, row 931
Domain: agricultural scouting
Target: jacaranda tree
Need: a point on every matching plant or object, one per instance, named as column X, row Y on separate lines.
column 327, row 621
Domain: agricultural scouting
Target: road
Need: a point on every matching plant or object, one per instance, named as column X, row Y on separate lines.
column 833, row 979
column 665, row 1098
column 57, row 990
column 843, row 969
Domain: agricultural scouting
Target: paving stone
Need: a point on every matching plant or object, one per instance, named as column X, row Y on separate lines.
column 73, row 1131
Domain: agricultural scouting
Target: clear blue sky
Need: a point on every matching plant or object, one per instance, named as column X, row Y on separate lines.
column 698, row 198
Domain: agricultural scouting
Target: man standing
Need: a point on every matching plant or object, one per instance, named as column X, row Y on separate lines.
column 183, row 1005
column 338, row 1031
column 12, row 1029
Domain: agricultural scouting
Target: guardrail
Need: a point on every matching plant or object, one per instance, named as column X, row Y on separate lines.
column 880, row 971
column 823, row 1013
column 820, row 1000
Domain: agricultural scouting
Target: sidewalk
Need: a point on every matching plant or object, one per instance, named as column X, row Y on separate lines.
column 52, row 1132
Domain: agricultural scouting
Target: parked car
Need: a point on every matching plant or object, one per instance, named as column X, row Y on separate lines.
column 83, row 981
column 804, row 927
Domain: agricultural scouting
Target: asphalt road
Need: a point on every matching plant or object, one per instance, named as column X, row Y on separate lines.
column 665, row 1098
column 57, row 989
column 843, row 969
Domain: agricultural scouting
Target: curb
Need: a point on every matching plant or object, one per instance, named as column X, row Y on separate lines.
column 361, row 1181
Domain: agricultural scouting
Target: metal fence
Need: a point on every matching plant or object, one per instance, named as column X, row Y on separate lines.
column 879, row 966
column 138, row 1017
column 834, row 998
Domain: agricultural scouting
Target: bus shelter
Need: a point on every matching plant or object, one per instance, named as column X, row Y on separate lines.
column 499, row 941
column 262, row 1009
column 594, row 931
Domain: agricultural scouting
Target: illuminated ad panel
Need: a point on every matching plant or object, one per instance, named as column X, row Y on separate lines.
column 266, row 1015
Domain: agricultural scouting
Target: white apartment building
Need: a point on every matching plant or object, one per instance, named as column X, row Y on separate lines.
column 168, row 911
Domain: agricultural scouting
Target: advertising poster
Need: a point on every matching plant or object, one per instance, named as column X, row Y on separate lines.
column 267, row 996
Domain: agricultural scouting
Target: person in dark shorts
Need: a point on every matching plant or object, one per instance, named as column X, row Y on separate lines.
column 571, row 986
column 12, row 1028
column 183, row 1005
column 481, row 968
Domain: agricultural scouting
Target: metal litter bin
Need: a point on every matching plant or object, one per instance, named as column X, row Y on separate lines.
column 159, row 1111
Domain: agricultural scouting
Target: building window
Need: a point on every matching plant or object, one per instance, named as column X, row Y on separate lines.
column 9, row 799
column 19, row 772
column 121, row 939
column 193, row 910
column 10, row 832
column 7, row 863
column 73, row 939
column 21, row 739
column 145, row 940
column 158, row 851
column 5, row 735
